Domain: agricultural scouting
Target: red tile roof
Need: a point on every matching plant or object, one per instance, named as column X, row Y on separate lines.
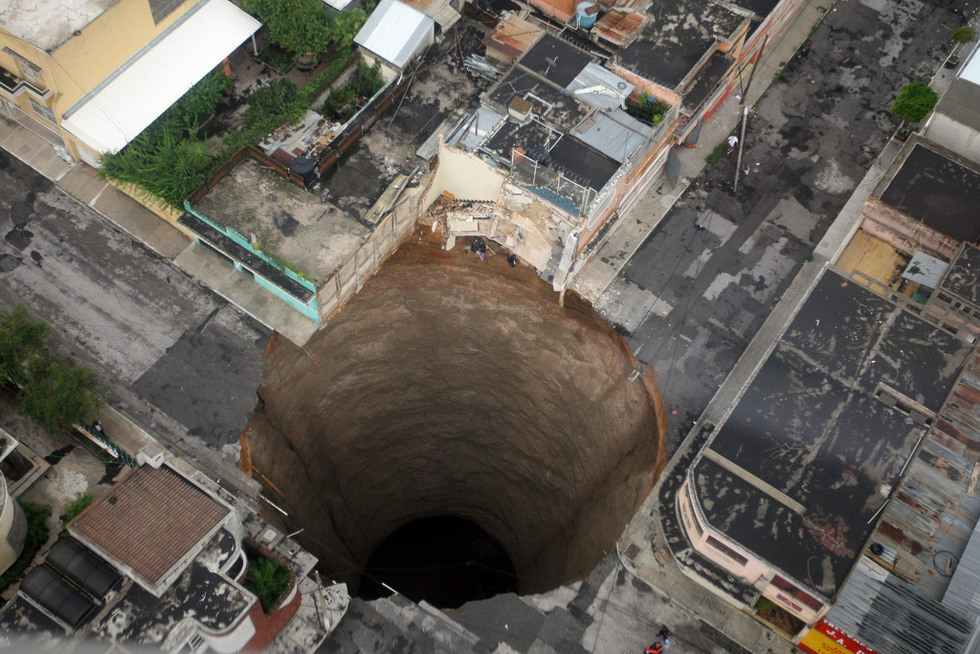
column 149, row 521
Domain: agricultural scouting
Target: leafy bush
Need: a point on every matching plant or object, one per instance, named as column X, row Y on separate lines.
column 914, row 102
column 264, row 122
column 21, row 340
column 167, row 160
column 74, row 508
column 273, row 99
column 301, row 26
column 343, row 102
column 648, row 109
column 276, row 58
column 964, row 34
column 268, row 579
column 58, row 396
column 37, row 534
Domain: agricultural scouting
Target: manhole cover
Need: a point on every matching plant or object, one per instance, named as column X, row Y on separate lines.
column 631, row 551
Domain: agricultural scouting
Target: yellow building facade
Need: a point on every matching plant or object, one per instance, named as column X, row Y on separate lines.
column 82, row 57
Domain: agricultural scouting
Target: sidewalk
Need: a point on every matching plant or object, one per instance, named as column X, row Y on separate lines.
column 630, row 231
column 196, row 260
column 642, row 546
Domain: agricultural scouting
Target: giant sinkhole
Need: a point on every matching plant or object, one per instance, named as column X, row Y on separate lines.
column 456, row 432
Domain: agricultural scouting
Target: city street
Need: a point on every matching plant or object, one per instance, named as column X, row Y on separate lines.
column 698, row 289
column 169, row 353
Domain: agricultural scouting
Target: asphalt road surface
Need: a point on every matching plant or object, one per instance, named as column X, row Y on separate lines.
column 169, row 353
column 705, row 280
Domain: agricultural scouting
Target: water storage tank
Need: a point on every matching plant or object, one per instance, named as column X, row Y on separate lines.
column 305, row 168
column 587, row 13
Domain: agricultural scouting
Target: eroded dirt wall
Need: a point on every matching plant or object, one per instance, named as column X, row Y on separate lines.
column 454, row 387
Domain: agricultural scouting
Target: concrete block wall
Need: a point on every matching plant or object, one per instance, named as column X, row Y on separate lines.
column 359, row 267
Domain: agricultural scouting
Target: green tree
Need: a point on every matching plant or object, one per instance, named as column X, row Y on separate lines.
column 964, row 34
column 914, row 102
column 346, row 28
column 268, row 580
column 298, row 26
column 59, row 397
column 21, row 340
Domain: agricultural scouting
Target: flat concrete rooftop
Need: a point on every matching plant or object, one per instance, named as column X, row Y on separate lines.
column 809, row 453
column 963, row 276
column 555, row 60
column 937, row 190
column 676, row 36
column 289, row 221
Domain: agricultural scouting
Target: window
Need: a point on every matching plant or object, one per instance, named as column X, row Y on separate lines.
column 28, row 69
column 43, row 111
column 162, row 8
column 726, row 550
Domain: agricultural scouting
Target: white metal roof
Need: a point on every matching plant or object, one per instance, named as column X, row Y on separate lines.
column 395, row 32
column 613, row 132
column 970, row 71
column 339, row 5
column 925, row 269
column 145, row 86
column 600, row 87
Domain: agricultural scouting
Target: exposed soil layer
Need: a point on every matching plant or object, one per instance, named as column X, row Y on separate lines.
column 451, row 387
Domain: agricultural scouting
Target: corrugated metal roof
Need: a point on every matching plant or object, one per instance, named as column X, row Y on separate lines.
column 890, row 616
column 614, row 133
column 475, row 129
column 619, row 26
column 395, row 32
column 600, row 87
column 963, row 593
column 925, row 269
column 143, row 88
column 512, row 36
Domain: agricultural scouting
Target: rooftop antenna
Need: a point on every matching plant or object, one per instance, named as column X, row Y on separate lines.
column 552, row 61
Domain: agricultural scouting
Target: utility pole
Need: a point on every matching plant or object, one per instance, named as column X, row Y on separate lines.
column 745, row 111
column 741, row 145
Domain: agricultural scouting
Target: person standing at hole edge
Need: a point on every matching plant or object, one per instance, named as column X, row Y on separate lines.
column 480, row 247
column 664, row 632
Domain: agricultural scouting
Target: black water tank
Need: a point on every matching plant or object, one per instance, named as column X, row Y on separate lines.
column 305, row 168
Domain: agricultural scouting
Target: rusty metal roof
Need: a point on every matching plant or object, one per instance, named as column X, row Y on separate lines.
column 619, row 26
column 150, row 523
column 935, row 510
column 513, row 36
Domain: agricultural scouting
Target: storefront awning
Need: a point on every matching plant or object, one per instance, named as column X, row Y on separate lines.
column 144, row 87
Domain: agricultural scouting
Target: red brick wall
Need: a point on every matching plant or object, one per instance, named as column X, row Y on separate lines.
column 267, row 627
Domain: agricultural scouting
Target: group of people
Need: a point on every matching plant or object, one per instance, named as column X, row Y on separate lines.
column 662, row 645
column 480, row 247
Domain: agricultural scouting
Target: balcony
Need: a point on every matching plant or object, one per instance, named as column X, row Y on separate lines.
column 12, row 87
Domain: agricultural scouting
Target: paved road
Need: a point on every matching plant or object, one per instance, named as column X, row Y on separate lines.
column 170, row 353
column 692, row 297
